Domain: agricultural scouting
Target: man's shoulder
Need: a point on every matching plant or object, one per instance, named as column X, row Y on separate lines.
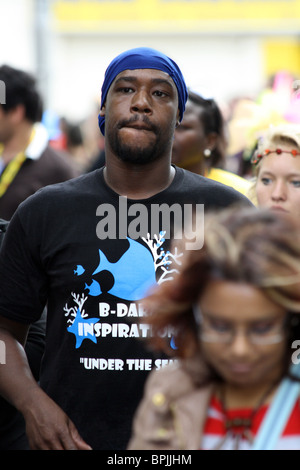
column 230, row 179
column 203, row 181
column 64, row 191
column 211, row 191
column 80, row 181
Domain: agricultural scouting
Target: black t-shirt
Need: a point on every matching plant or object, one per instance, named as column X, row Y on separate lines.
column 96, row 357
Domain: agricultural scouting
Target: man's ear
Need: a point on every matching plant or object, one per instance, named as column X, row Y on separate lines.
column 177, row 118
column 18, row 113
column 102, row 111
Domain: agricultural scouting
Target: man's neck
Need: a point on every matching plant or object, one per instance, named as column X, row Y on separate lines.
column 18, row 142
column 138, row 181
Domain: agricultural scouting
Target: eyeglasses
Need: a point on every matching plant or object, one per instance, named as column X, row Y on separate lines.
column 220, row 331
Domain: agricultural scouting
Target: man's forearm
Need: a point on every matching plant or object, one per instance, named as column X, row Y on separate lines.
column 16, row 380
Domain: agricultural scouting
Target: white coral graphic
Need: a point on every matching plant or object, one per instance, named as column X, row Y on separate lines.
column 161, row 258
column 79, row 301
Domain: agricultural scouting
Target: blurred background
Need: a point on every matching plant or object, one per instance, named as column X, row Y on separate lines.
column 241, row 52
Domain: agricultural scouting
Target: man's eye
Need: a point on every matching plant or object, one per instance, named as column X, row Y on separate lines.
column 125, row 89
column 296, row 183
column 160, row 93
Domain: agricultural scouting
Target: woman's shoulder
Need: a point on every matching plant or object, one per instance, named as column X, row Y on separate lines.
column 172, row 389
column 178, row 379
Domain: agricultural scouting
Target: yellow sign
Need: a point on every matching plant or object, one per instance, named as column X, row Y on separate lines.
column 176, row 16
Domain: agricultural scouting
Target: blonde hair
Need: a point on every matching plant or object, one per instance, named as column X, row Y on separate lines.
column 279, row 135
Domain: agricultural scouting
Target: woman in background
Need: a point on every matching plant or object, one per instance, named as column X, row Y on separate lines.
column 200, row 143
column 277, row 170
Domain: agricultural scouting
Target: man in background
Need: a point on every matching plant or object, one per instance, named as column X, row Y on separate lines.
column 27, row 162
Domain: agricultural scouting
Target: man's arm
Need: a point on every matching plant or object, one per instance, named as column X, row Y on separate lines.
column 47, row 426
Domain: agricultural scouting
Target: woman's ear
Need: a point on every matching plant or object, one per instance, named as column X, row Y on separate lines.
column 212, row 140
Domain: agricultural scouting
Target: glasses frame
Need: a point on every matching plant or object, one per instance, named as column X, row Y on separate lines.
column 218, row 337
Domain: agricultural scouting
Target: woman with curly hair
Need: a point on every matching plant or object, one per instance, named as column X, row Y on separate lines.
column 234, row 306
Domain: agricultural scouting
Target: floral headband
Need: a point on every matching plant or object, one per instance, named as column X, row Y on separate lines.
column 258, row 156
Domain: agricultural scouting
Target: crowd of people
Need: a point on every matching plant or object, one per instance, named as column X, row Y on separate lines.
column 149, row 293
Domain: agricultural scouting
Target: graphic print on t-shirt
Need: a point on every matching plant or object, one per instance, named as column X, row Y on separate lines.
column 139, row 268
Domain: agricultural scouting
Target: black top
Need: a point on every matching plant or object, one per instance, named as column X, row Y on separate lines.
column 68, row 245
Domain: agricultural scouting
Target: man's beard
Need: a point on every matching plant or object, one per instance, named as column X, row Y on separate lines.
column 135, row 154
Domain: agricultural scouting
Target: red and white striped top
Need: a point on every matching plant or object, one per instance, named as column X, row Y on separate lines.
column 214, row 429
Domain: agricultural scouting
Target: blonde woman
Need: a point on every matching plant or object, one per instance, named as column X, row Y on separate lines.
column 277, row 170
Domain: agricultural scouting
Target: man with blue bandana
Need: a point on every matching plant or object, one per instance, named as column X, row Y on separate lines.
column 90, row 249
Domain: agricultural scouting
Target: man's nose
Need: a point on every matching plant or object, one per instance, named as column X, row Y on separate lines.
column 141, row 102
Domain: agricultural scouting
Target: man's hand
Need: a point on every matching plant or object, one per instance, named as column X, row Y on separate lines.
column 49, row 428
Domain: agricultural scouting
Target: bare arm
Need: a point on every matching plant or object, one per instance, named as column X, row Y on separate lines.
column 47, row 426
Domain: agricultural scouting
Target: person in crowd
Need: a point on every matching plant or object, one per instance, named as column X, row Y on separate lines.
column 234, row 308
column 90, row 248
column 276, row 165
column 12, row 425
column 200, row 142
column 27, row 162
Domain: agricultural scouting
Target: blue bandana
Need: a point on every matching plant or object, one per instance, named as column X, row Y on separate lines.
column 143, row 58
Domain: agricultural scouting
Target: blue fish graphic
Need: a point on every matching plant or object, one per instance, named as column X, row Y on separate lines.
column 134, row 273
column 79, row 270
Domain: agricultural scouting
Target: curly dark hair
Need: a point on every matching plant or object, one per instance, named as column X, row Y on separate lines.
column 242, row 245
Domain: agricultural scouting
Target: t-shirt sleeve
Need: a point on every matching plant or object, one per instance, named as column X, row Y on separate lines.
column 23, row 283
column 224, row 196
column 35, row 344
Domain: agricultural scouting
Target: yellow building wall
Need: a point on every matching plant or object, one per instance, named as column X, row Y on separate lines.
column 281, row 54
